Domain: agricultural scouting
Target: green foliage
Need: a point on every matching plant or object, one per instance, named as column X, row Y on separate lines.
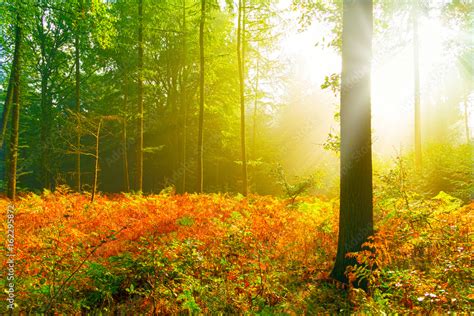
column 333, row 142
column 332, row 82
column 446, row 167
column 300, row 186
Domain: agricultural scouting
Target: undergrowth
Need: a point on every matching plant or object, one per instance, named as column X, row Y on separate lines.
column 167, row 254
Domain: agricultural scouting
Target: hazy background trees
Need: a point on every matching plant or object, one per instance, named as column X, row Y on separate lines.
column 287, row 115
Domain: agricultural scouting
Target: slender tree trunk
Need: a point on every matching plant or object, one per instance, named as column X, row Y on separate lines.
column 185, row 146
column 254, row 132
column 124, row 138
column 11, row 189
column 418, row 154
column 175, row 136
column 466, row 119
column 184, row 100
column 78, row 108
column 140, row 97
column 44, row 73
column 200, row 173
column 241, row 64
column 96, row 167
column 45, row 132
column 7, row 106
column 356, row 215
column 125, row 155
column 255, row 112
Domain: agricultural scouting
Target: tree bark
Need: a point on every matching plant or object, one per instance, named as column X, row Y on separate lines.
column 7, row 106
column 77, row 57
column 96, row 167
column 200, row 173
column 241, row 65
column 11, row 189
column 356, row 214
column 140, row 98
column 254, row 132
column 124, row 139
column 255, row 111
column 184, row 101
column 45, row 132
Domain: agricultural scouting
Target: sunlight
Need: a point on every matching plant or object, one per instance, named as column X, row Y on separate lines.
column 393, row 88
column 314, row 61
column 392, row 75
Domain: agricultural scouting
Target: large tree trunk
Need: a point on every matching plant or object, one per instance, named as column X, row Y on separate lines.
column 418, row 154
column 200, row 173
column 140, row 98
column 241, row 65
column 11, row 189
column 355, row 219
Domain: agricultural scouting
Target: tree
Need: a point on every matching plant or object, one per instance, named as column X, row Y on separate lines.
column 356, row 211
column 124, row 138
column 200, row 171
column 77, row 95
column 466, row 118
column 459, row 15
column 140, row 97
column 11, row 190
column 7, row 107
column 241, row 65
column 96, row 154
column 48, row 43
column 184, row 101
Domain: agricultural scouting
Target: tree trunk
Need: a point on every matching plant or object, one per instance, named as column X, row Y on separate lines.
column 7, row 106
column 200, row 173
column 44, row 72
column 254, row 132
column 466, row 119
column 45, row 133
column 124, row 140
column 356, row 215
column 255, row 111
column 125, row 155
column 96, row 167
column 11, row 189
column 184, row 100
column 78, row 109
column 241, row 65
column 140, row 97
column 418, row 154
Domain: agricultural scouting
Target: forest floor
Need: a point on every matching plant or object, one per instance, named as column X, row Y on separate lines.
column 214, row 253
